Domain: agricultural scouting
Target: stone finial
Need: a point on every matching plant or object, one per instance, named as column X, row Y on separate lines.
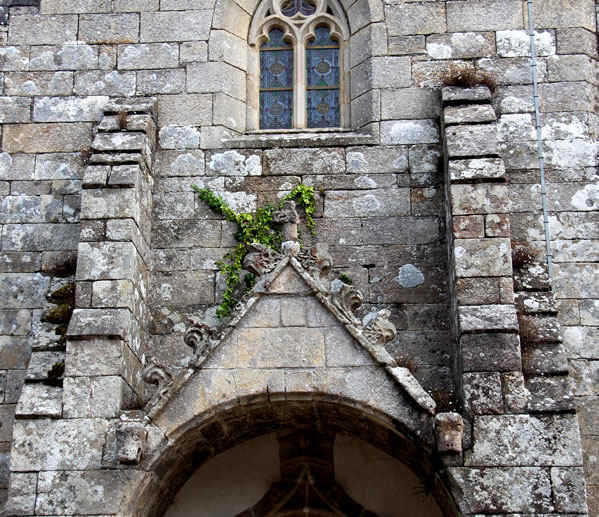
column 131, row 438
column 287, row 216
column 449, row 429
column 261, row 259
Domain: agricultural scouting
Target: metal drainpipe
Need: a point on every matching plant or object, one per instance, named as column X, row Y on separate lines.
column 541, row 157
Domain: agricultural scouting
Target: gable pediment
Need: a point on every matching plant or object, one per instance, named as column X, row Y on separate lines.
column 296, row 319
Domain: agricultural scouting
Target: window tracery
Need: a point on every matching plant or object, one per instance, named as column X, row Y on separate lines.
column 300, row 47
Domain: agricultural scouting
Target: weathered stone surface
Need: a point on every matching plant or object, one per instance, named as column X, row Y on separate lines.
column 514, row 70
column 490, row 352
column 471, row 140
column 14, row 58
column 153, row 55
column 483, row 198
column 516, row 43
column 193, row 25
column 77, row 444
column 544, row 359
column 576, row 40
column 15, row 109
column 373, row 160
column 568, row 13
column 150, row 82
column 402, row 45
column 487, row 317
column 183, row 289
column 348, row 203
column 216, row 77
column 482, row 393
column 39, row 400
column 42, row 138
column 409, row 18
column 93, row 397
column 109, row 28
column 15, row 352
column 234, row 163
column 49, row 30
column 515, row 392
column 476, row 169
column 38, row 237
column 175, row 137
column 460, row 94
column 566, row 96
column 410, row 103
column 185, row 110
column 577, row 280
column 68, row 109
column 399, row 132
column 43, row 365
column 522, row 440
column 103, row 261
column 550, row 394
column 100, row 322
column 482, row 257
column 95, row 356
column 488, row 15
column 98, row 82
column 469, row 114
column 58, row 166
column 15, row 322
column 449, row 428
column 499, row 490
column 16, row 166
column 460, row 45
column 342, row 349
column 569, row 489
column 304, row 161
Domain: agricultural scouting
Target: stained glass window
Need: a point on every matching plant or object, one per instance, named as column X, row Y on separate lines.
column 276, row 82
column 322, row 72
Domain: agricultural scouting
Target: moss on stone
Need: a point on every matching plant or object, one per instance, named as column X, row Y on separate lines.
column 63, row 294
column 59, row 314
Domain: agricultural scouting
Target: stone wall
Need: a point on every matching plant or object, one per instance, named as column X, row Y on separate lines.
column 145, row 246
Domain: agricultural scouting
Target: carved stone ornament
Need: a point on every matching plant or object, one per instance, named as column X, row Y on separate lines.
column 287, row 216
column 261, row 259
column 156, row 374
column 131, row 438
column 379, row 329
column 449, row 428
column 318, row 262
column 346, row 299
column 198, row 337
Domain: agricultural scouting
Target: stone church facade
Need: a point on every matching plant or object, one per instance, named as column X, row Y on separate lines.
column 417, row 352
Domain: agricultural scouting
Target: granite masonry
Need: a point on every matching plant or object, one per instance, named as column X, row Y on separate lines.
column 420, row 316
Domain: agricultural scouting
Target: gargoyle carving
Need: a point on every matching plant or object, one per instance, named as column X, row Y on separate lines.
column 261, row 260
column 198, row 337
column 346, row 299
column 130, row 438
column 287, row 216
column 379, row 329
column 156, row 374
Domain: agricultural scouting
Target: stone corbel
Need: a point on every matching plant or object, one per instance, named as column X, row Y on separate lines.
column 130, row 438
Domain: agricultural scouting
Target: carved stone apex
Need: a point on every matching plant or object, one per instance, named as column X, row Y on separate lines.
column 318, row 261
column 261, row 259
column 290, row 248
column 287, row 216
column 130, row 438
column 378, row 329
column 346, row 299
column 449, row 428
column 198, row 337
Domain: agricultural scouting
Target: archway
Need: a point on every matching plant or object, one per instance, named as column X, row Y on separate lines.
column 319, row 420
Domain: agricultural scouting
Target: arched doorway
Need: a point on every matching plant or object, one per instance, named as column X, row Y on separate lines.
column 286, row 455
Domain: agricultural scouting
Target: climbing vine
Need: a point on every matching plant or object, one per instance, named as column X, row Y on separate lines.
column 251, row 227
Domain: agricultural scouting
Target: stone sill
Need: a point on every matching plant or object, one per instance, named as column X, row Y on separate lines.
column 299, row 138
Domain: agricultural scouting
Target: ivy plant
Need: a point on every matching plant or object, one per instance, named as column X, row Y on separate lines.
column 251, row 227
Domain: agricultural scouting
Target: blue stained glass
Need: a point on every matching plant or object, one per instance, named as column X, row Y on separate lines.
column 276, row 69
column 322, row 67
column 323, row 108
column 275, row 109
column 275, row 39
column 322, row 38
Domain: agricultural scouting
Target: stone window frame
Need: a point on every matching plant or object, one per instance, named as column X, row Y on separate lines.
column 299, row 29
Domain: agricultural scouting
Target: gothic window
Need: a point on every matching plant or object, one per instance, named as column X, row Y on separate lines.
column 300, row 46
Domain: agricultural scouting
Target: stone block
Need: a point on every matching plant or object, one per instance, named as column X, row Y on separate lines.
column 125, row 175
column 522, row 440
column 39, row 400
column 576, row 280
column 476, row 169
column 576, row 40
column 497, row 225
column 40, row 237
column 44, row 138
column 179, row 137
column 16, row 166
column 484, row 15
column 459, row 94
column 192, row 51
column 569, row 489
column 570, row 68
column 98, row 82
column 181, row 289
column 22, row 493
column 49, row 30
column 293, row 312
column 107, row 261
column 482, row 198
column 44, row 365
column 224, row 46
column 369, row 41
column 397, row 132
column 504, row 489
column 476, row 291
column 566, row 96
column 120, row 141
column 58, row 166
column 482, row 393
column 566, row 13
column 181, row 163
column 191, row 25
column 216, row 77
column 304, row 161
column 100, row 322
column 482, row 257
column 68, row 109
column 469, row 114
column 109, row 28
column 15, row 352
column 515, row 393
column 15, row 109
column 77, row 444
column 14, row 58
column 289, row 282
column 229, row 112
column 471, row 140
column 374, row 160
column 550, row 394
column 152, row 55
column 135, row 5
column 512, row 70
column 74, row 6
column 151, row 82
column 114, row 293
column 93, row 397
column 410, row 103
column 94, row 356
column 69, row 56
column 342, row 349
column 64, row 493
column 416, row 18
column 548, row 359
column 406, row 45
column 110, row 204
column 366, row 108
column 460, row 45
column 497, row 352
column 186, row 234
column 516, row 43
column 487, row 317
column 15, row 322
column 351, row 203
column 187, row 110
column 380, row 72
